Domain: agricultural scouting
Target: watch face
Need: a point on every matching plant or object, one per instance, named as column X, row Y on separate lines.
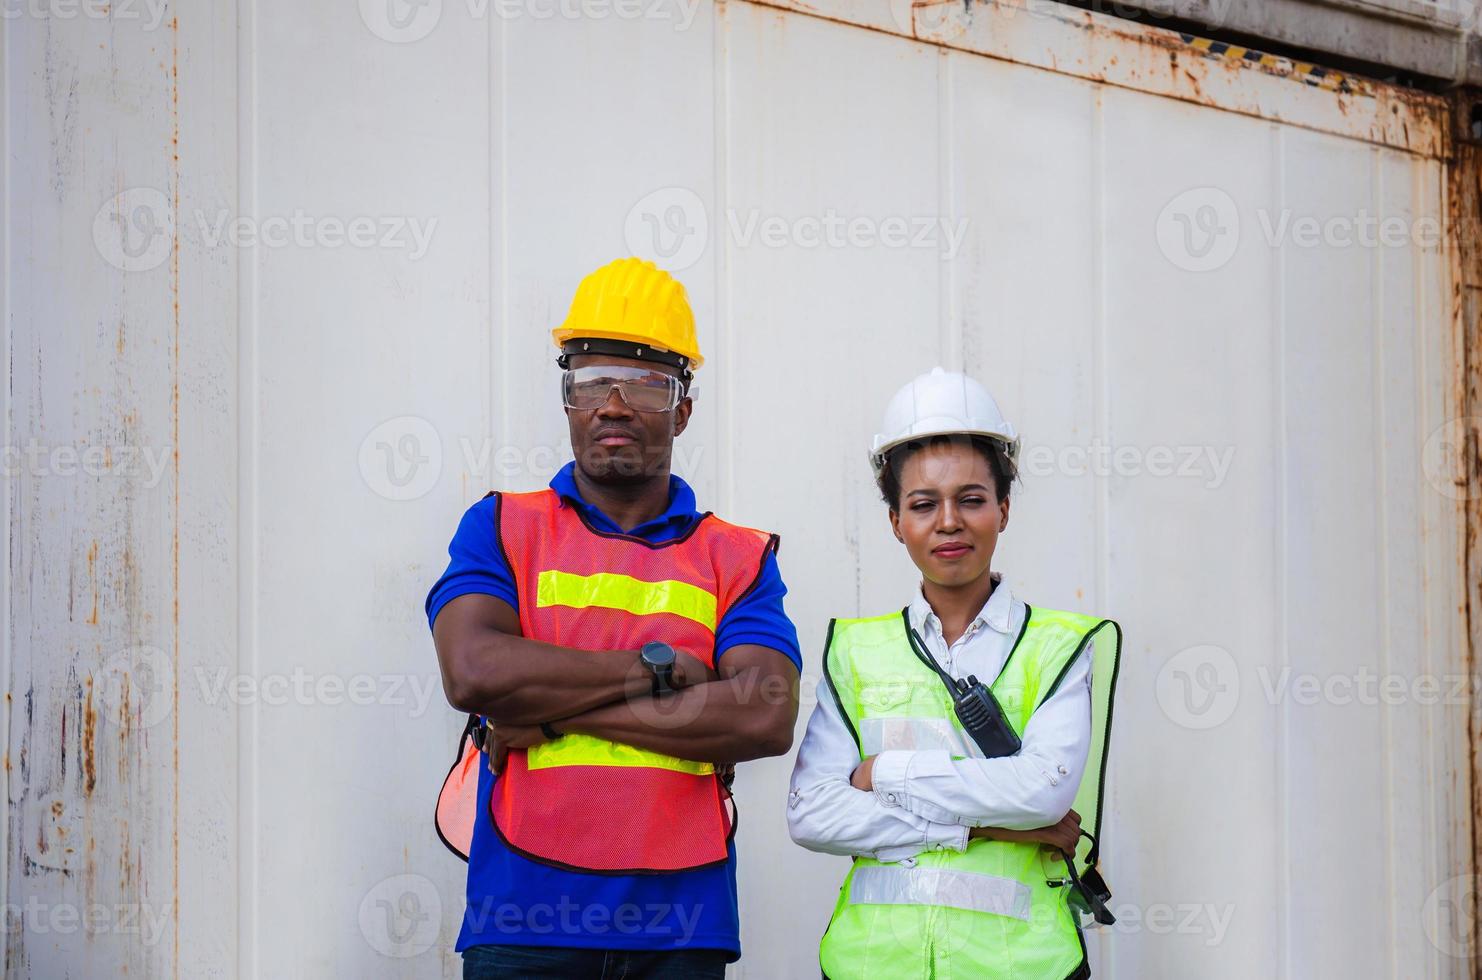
column 657, row 653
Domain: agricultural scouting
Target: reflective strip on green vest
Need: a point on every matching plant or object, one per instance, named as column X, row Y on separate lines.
column 990, row 911
column 896, row 885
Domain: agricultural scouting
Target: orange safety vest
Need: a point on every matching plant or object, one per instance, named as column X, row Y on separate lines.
column 586, row 803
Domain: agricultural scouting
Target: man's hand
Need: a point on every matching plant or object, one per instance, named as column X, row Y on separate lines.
column 501, row 738
column 861, row 778
column 1063, row 836
column 745, row 710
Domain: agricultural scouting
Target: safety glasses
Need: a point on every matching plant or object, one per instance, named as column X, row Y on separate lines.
column 1087, row 893
column 588, row 388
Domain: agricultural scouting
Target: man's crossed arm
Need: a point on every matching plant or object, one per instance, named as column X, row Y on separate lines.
column 744, row 711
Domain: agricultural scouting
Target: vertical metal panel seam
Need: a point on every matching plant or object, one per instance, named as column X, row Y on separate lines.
column 1282, row 719
column 1099, row 388
column 175, row 498
column 720, row 63
column 1423, row 313
column 953, row 343
column 249, row 795
column 1377, row 376
column 6, row 408
column 499, row 232
column 1101, row 411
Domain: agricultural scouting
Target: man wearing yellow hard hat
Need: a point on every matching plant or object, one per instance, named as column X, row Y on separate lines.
column 617, row 651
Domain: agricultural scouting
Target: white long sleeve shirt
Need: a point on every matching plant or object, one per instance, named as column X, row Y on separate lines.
column 924, row 799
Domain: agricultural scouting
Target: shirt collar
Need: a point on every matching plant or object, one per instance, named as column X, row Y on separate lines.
column 676, row 517
column 994, row 614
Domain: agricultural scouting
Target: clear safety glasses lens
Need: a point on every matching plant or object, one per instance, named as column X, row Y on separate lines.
column 588, row 388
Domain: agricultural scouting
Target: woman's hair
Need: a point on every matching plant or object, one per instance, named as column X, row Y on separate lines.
column 1004, row 471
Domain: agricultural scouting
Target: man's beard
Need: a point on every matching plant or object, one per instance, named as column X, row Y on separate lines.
column 625, row 468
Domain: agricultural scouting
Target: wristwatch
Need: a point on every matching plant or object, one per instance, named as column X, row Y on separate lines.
column 658, row 657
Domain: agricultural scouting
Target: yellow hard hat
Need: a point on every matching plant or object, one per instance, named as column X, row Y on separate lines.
column 631, row 308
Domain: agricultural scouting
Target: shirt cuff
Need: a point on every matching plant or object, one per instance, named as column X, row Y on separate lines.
column 937, row 837
column 888, row 777
column 947, row 837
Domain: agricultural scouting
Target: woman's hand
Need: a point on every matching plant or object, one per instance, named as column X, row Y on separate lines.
column 1062, row 836
column 501, row 738
column 861, row 777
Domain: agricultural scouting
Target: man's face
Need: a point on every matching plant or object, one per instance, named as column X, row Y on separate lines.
column 616, row 444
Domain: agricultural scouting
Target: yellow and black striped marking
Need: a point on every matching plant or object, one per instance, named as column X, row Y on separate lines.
column 1314, row 75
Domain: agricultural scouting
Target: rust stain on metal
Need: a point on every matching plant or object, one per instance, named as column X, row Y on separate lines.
column 123, row 727
column 1194, row 85
column 1464, row 207
column 1162, row 62
column 89, row 743
column 92, row 579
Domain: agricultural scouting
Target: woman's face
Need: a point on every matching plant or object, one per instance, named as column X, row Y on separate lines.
column 950, row 515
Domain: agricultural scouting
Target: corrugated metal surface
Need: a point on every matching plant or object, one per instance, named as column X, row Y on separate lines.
column 1226, row 434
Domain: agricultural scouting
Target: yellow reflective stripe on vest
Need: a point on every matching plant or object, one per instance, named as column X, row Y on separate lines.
column 969, row 890
column 588, row 750
column 893, row 734
column 609, row 590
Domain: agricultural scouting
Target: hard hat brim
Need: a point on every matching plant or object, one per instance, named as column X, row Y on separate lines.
column 925, row 430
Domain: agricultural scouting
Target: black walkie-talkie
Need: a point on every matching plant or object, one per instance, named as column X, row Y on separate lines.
column 976, row 707
column 982, row 718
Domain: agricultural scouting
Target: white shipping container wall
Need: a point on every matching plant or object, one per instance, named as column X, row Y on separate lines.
column 278, row 281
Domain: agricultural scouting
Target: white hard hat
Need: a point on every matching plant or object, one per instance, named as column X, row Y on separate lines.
column 941, row 403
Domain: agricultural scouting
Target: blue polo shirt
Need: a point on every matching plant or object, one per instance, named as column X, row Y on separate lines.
column 516, row 901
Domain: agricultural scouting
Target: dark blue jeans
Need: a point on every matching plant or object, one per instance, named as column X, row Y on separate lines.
column 564, row 963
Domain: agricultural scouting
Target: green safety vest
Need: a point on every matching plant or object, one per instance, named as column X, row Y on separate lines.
column 998, row 910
